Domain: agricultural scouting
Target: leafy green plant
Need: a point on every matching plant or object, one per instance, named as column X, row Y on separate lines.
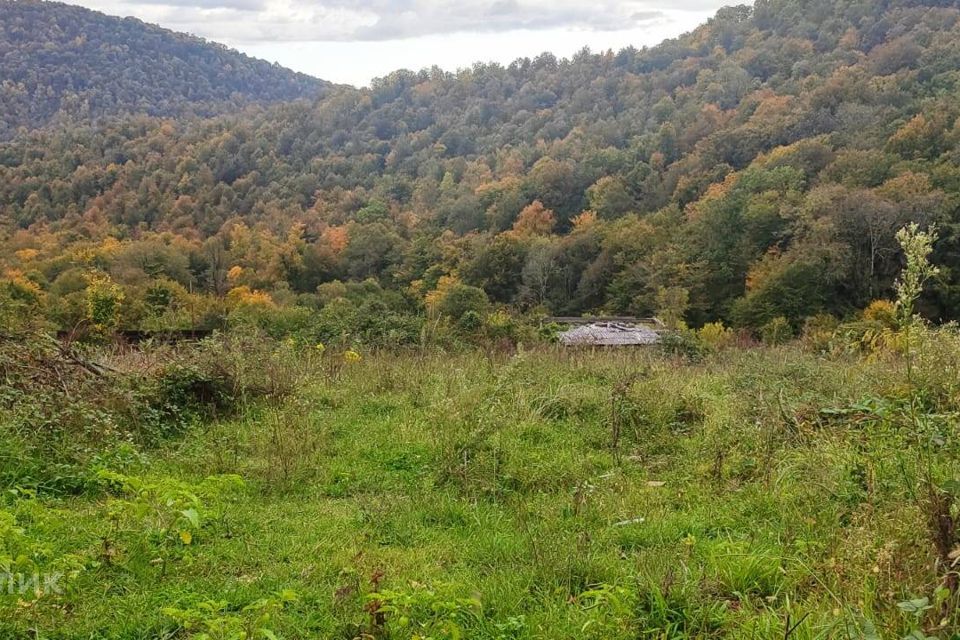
column 715, row 336
column 180, row 395
column 776, row 332
column 423, row 613
column 164, row 514
column 684, row 343
column 29, row 566
column 17, row 552
column 919, row 608
column 216, row 620
column 104, row 301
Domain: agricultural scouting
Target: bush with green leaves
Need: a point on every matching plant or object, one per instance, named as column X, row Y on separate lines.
column 423, row 613
column 683, row 343
column 776, row 332
column 178, row 396
column 29, row 565
column 62, row 404
column 158, row 516
column 217, row 620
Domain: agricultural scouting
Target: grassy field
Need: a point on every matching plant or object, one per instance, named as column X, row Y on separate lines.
column 756, row 493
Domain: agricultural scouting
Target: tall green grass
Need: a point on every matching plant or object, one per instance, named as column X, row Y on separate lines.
column 758, row 493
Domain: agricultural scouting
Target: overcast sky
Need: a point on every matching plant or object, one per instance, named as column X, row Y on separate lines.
column 353, row 41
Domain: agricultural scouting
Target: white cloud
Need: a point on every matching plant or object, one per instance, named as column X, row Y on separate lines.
column 259, row 21
column 354, row 41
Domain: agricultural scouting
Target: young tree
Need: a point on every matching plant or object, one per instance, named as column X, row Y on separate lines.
column 538, row 272
column 104, row 301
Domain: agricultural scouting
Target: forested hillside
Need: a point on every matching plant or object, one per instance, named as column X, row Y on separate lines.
column 61, row 62
column 755, row 168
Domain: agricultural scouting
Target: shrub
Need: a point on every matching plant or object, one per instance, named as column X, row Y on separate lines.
column 777, row 331
column 61, row 408
column 501, row 326
column 424, row 613
column 716, row 336
column 882, row 313
column 684, row 343
column 470, row 322
column 104, row 301
column 178, row 395
column 818, row 332
column 461, row 299
column 549, row 332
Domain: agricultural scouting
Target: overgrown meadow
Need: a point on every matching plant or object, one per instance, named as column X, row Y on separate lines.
column 241, row 487
column 378, row 437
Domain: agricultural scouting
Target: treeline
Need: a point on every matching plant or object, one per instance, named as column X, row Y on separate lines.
column 755, row 169
column 66, row 63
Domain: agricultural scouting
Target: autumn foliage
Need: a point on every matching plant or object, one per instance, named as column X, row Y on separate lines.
column 755, row 169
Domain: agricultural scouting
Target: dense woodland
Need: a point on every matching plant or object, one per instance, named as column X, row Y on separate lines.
column 755, row 169
column 61, row 63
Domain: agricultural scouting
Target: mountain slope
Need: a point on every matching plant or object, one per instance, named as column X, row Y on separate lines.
column 62, row 61
column 754, row 168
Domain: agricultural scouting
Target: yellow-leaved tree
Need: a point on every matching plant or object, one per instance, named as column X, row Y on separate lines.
column 104, row 302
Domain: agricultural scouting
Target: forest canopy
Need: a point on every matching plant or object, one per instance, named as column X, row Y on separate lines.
column 63, row 63
column 756, row 168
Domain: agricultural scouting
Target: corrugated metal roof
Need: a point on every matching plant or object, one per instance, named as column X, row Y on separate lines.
column 609, row 334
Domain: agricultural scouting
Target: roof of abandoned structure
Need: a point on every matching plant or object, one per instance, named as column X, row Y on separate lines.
column 609, row 334
column 653, row 323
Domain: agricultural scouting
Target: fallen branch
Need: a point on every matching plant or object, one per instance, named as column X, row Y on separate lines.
column 72, row 357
